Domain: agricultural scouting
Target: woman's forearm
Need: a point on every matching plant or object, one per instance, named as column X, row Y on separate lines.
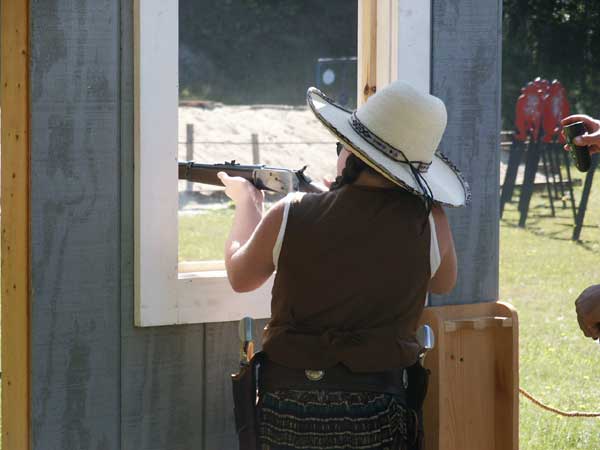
column 247, row 216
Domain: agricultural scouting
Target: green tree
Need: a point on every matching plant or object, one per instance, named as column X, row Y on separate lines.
column 260, row 51
column 552, row 39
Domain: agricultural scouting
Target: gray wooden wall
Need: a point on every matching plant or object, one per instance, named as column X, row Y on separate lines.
column 466, row 73
column 98, row 383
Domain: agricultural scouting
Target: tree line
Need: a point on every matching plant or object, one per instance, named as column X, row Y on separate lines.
column 265, row 51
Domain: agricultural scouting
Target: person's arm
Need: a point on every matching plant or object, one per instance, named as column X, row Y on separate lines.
column 445, row 278
column 587, row 307
column 591, row 138
column 249, row 247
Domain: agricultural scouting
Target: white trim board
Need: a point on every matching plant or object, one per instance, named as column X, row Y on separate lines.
column 163, row 295
column 156, row 47
column 414, row 43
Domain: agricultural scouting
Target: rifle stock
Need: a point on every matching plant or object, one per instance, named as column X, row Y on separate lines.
column 207, row 173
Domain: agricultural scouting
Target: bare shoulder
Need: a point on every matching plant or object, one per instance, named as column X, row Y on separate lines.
column 442, row 228
column 274, row 216
column 439, row 214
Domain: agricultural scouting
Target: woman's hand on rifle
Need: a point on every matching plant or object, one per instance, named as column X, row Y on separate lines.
column 241, row 191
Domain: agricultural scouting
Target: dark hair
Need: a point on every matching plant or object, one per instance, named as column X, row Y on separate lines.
column 353, row 168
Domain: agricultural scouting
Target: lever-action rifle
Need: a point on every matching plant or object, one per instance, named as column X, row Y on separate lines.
column 263, row 177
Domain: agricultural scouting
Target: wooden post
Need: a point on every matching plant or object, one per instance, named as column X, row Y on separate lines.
column 570, row 184
column 531, row 165
column 16, row 414
column 510, row 177
column 255, row 149
column 472, row 400
column 585, row 195
column 367, row 50
column 189, row 150
column 544, row 157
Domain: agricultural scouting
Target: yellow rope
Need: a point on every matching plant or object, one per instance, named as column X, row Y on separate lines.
column 557, row 411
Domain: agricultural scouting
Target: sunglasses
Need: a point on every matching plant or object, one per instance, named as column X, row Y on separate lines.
column 339, row 147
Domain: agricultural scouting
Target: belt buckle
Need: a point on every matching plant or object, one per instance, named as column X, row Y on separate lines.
column 314, row 375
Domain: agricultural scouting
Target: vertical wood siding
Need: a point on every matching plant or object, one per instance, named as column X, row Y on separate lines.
column 75, row 224
column 162, row 368
column 466, row 71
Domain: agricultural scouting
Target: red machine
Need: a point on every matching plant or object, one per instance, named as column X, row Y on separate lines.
column 528, row 116
column 556, row 106
column 540, row 106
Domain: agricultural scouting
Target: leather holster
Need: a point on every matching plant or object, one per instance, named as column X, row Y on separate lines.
column 418, row 381
column 245, row 386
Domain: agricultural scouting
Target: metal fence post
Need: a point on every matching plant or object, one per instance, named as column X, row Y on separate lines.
column 255, row 150
column 189, row 150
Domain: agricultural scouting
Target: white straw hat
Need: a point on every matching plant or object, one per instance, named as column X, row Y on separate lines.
column 397, row 132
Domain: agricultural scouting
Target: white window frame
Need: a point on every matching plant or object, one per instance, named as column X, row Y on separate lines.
column 165, row 293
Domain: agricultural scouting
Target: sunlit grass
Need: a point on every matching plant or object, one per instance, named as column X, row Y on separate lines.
column 542, row 272
column 202, row 236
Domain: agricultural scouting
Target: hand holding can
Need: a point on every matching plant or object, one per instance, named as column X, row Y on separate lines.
column 589, row 137
column 579, row 153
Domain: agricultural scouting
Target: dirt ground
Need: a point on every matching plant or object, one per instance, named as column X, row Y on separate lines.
column 288, row 137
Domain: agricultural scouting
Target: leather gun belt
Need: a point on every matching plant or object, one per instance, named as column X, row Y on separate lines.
column 275, row 377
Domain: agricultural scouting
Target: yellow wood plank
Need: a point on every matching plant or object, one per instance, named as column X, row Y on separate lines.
column 15, row 242
column 472, row 403
column 507, row 380
column 435, row 364
column 367, row 50
column 477, row 323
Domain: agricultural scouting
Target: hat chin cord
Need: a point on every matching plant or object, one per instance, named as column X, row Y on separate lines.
column 417, row 168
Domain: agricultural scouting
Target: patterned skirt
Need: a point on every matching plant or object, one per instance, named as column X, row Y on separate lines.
column 307, row 420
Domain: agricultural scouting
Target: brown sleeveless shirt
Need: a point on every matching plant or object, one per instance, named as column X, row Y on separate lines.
column 351, row 281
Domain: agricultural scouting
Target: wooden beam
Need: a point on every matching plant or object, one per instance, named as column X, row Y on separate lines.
column 477, row 323
column 377, row 46
column 367, row 50
column 15, row 239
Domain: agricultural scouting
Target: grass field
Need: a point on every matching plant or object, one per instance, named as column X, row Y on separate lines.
column 210, row 229
column 541, row 272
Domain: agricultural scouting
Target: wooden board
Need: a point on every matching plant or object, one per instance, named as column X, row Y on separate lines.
column 163, row 388
column 161, row 368
column 367, row 50
column 466, row 73
column 156, row 99
column 162, row 296
column 221, row 350
column 75, row 225
column 472, row 403
column 16, row 417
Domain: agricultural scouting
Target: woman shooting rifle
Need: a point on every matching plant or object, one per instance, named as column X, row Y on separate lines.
column 354, row 266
